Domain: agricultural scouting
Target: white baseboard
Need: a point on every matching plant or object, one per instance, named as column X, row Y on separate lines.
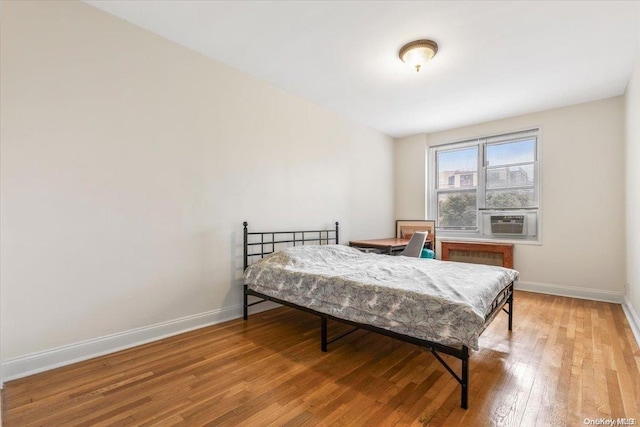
column 49, row 359
column 570, row 291
column 632, row 318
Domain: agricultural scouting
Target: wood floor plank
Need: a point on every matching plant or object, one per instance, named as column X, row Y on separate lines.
column 565, row 360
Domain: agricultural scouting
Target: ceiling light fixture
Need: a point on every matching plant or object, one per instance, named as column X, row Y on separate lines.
column 418, row 53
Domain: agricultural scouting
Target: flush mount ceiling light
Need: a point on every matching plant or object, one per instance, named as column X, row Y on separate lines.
column 418, row 53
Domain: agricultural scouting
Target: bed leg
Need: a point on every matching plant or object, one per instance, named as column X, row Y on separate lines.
column 511, row 309
column 245, row 304
column 323, row 334
column 464, row 398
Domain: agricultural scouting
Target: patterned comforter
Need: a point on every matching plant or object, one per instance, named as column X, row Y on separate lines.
column 438, row 301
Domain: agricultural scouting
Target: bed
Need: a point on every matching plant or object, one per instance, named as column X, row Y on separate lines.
column 438, row 305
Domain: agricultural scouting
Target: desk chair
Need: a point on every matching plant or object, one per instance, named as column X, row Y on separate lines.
column 415, row 245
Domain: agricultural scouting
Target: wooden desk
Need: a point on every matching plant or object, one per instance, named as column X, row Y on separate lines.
column 389, row 245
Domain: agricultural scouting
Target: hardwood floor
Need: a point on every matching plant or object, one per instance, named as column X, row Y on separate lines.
column 565, row 361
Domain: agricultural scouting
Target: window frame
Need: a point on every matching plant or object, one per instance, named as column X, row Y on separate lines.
column 478, row 233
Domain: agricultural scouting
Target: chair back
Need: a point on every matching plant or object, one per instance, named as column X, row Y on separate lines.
column 415, row 245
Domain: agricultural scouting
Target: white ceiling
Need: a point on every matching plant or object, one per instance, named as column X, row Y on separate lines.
column 495, row 59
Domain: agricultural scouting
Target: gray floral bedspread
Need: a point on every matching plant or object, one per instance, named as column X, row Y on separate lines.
column 439, row 301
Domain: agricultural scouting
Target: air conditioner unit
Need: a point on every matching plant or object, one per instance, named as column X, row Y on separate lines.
column 510, row 224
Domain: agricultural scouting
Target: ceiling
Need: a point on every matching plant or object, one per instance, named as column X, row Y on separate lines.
column 495, row 59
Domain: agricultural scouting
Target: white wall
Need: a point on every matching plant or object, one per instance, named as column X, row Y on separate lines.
column 129, row 163
column 632, row 157
column 410, row 187
column 583, row 232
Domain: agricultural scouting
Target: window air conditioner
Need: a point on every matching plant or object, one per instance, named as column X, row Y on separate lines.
column 507, row 224
column 510, row 224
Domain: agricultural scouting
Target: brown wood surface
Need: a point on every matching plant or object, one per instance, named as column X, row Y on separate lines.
column 391, row 243
column 565, row 360
column 380, row 243
column 506, row 249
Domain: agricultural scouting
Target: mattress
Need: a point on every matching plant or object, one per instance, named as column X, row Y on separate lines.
column 438, row 301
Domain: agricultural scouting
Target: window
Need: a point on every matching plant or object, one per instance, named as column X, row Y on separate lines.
column 487, row 187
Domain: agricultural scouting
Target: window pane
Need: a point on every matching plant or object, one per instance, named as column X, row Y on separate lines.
column 511, row 152
column 497, row 199
column 510, row 176
column 453, row 165
column 457, row 210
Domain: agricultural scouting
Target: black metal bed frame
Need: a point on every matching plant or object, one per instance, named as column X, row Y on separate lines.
column 325, row 237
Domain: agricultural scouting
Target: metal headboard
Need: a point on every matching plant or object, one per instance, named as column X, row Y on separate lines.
column 264, row 242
